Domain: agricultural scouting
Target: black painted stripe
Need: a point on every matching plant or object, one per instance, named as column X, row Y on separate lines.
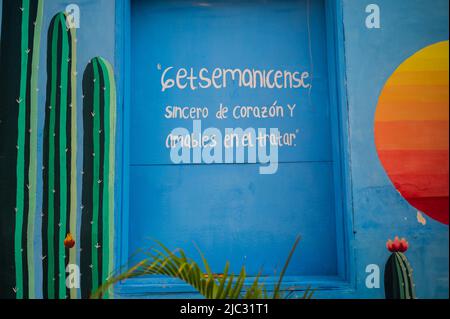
column 88, row 149
column 45, row 164
column 9, row 92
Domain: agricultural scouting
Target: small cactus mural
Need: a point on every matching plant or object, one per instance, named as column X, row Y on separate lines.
column 398, row 279
column 59, row 168
column 19, row 64
column 97, row 226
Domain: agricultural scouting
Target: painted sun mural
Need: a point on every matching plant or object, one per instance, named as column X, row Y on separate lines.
column 411, row 130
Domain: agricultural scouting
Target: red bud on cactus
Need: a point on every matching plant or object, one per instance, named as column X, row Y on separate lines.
column 389, row 246
column 403, row 245
column 397, row 245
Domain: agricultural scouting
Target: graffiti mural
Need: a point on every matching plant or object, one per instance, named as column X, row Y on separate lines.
column 19, row 56
column 19, row 121
column 91, row 90
column 398, row 273
column 411, row 130
column 99, row 109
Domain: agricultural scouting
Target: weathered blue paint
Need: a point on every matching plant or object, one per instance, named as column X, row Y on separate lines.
column 276, row 35
column 232, row 209
column 379, row 210
column 372, row 210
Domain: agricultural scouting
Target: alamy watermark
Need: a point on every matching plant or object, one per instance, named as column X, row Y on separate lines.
column 235, row 145
column 73, row 16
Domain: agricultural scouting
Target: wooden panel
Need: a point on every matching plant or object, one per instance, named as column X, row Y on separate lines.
column 233, row 213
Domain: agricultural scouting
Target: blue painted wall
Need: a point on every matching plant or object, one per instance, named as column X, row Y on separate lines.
column 233, row 209
column 379, row 212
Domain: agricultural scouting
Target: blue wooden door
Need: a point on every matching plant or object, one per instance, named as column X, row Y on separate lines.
column 230, row 210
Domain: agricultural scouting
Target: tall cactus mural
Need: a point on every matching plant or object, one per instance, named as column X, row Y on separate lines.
column 22, row 22
column 59, row 168
column 99, row 118
column 398, row 279
column 19, row 64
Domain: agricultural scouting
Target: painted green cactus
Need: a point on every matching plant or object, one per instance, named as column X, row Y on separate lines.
column 398, row 278
column 59, row 154
column 19, row 62
column 97, row 226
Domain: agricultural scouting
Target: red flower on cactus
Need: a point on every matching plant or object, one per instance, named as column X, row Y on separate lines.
column 397, row 245
column 69, row 242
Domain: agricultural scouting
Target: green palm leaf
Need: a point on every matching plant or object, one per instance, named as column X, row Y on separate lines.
column 212, row 286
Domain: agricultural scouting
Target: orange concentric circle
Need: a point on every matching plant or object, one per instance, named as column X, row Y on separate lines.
column 412, row 130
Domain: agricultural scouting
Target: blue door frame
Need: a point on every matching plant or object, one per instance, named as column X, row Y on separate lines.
column 346, row 280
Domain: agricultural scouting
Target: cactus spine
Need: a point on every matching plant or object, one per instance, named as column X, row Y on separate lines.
column 57, row 162
column 18, row 121
column 99, row 118
column 398, row 279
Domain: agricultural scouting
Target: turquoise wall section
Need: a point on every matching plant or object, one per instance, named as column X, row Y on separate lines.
column 380, row 212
